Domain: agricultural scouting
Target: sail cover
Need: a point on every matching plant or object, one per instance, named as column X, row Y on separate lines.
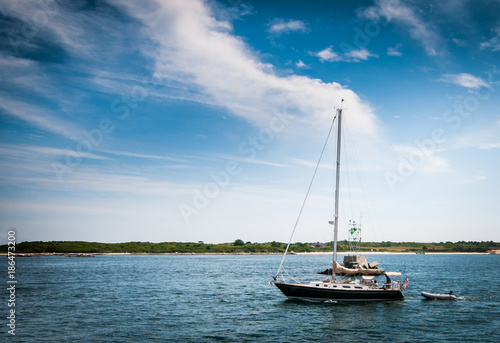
column 341, row 270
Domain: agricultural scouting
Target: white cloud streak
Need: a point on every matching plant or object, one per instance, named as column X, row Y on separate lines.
column 39, row 117
column 432, row 163
column 145, row 156
column 300, row 64
column 357, row 55
column 280, row 26
column 30, row 151
column 493, row 43
column 400, row 13
column 464, row 80
column 490, row 146
column 197, row 49
column 328, row 55
column 394, row 52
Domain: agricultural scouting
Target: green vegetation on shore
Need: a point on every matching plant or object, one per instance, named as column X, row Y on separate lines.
column 239, row 246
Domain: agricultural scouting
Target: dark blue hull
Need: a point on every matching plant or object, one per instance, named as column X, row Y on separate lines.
column 307, row 292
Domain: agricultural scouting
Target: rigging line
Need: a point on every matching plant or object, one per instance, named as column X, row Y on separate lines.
column 307, row 194
column 290, row 276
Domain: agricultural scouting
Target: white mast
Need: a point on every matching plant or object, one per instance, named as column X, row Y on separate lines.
column 336, row 224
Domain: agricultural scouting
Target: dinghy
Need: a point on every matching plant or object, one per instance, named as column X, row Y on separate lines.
column 448, row 296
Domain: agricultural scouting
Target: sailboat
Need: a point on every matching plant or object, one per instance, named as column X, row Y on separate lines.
column 339, row 288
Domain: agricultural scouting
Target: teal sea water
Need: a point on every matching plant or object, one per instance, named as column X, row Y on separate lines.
column 227, row 298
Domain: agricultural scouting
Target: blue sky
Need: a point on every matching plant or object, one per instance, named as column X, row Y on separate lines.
column 203, row 120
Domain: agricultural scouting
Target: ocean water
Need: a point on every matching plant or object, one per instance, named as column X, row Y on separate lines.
column 227, row 298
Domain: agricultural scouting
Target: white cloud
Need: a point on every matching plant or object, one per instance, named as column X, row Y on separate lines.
column 254, row 161
column 361, row 54
column 40, row 118
column 490, row 146
column 311, row 164
column 200, row 51
column 394, row 52
column 30, row 151
column 398, row 12
column 55, row 21
column 459, row 42
column 31, row 169
column 328, row 55
column 424, row 161
column 279, row 26
column 464, row 80
column 145, row 156
column 493, row 43
column 300, row 64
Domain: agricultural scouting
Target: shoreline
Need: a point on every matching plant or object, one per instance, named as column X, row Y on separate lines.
column 246, row 253
column 395, row 253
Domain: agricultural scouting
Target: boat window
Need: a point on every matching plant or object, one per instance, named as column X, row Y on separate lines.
column 346, row 286
column 317, row 285
column 334, row 286
column 358, row 287
column 325, row 286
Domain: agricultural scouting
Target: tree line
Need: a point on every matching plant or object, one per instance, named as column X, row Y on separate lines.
column 239, row 246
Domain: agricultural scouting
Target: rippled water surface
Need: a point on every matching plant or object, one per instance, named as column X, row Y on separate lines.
column 227, row 298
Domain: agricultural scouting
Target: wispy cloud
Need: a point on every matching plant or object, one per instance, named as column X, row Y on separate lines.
column 402, row 14
column 39, row 117
column 243, row 159
column 311, row 164
column 145, row 156
column 490, row 146
column 73, row 31
column 459, row 42
column 493, row 43
column 280, row 26
column 428, row 162
column 35, row 173
column 357, row 55
column 328, row 55
column 195, row 48
column 394, row 52
column 464, row 80
column 31, row 150
column 300, row 64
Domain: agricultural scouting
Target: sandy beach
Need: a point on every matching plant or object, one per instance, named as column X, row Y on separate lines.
column 393, row 253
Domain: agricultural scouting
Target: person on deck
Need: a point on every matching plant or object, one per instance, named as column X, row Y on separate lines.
column 387, row 283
